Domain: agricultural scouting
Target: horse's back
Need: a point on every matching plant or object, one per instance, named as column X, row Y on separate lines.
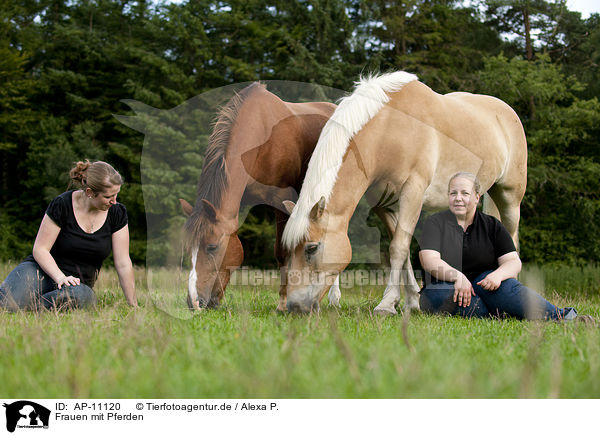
column 505, row 126
column 438, row 135
column 281, row 159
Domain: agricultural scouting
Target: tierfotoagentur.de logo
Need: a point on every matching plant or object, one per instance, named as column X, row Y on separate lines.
column 25, row 414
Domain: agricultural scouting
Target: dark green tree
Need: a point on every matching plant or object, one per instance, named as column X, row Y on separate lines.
column 439, row 40
column 560, row 208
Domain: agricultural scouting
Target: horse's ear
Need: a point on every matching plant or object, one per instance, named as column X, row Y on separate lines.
column 210, row 210
column 289, row 206
column 317, row 210
column 186, row 207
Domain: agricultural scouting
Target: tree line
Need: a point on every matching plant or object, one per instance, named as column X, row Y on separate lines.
column 66, row 66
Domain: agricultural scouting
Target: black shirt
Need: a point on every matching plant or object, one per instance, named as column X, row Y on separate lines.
column 76, row 252
column 473, row 251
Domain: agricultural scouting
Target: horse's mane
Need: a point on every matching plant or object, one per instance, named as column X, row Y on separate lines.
column 352, row 114
column 213, row 179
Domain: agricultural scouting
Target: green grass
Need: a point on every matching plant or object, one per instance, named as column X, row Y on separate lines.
column 245, row 350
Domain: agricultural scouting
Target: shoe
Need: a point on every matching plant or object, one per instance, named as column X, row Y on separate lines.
column 570, row 314
column 586, row 319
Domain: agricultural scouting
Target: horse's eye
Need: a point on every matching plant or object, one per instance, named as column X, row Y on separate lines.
column 211, row 249
column 311, row 248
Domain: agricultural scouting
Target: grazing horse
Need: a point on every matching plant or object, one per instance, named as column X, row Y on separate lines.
column 394, row 134
column 258, row 153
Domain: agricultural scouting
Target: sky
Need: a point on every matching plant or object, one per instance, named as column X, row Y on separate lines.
column 586, row 7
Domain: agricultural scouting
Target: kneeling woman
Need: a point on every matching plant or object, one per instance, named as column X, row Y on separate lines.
column 78, row 231
column 471, row 263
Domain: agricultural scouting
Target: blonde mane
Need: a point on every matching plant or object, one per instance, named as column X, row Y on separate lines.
column 351, row 115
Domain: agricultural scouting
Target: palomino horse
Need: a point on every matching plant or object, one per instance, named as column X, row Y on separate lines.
column 394, row 131
column 258, row 152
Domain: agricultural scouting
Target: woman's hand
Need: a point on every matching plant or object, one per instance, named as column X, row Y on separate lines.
column 68, row 280
column 463, row 290
column 509, row 266
column 491, row 282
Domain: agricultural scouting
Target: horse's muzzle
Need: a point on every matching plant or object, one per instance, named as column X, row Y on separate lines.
column 301, row 302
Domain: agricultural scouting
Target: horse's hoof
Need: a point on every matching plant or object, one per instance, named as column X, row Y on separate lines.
column 278, row 310
column 334, row 303
column 385, row 311
column 194, row 306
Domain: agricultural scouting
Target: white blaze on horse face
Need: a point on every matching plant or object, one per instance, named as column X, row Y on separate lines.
column 192, row 292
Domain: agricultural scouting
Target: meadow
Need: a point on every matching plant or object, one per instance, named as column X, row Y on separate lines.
column 245, row 350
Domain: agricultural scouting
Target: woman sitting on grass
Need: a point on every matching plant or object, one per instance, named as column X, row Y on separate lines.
column 471, row 263
column 77, row 233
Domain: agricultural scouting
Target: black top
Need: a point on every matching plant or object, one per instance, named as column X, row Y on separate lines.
column 473, row 251
column 76, row 252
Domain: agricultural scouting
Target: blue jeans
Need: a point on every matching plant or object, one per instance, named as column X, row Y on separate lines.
column 28, row 287
column 511, row 298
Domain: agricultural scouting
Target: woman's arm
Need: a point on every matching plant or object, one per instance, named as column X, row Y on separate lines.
column 120, row 246
column 44, row 241
column 509, row 266
column 434, row 265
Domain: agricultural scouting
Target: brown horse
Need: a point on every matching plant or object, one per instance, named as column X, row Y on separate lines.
column 394, row 132
column 258, row 153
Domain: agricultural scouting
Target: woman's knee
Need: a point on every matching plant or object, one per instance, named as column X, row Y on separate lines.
column 425, row 303
column 437, row 299
column 476, row 308
column 22, row 287
column 86, row 297
column 510, row 286
column 70, row 297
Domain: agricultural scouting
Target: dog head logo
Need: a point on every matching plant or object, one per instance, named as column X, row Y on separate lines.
column 26, row 414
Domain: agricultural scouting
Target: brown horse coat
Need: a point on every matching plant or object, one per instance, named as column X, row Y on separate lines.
column 258, row 152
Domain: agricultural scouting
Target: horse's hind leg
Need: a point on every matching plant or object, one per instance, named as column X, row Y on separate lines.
column 335, row 293
column 507, row 193
column 411, row 287
column 508, row 200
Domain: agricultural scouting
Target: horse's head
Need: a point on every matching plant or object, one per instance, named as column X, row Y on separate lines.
column 317, row 260
column 215, row 251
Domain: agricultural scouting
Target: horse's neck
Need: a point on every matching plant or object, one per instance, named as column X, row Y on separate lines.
column 274, row 143
column 231, row 197
column 352, row 182
column 250, row 134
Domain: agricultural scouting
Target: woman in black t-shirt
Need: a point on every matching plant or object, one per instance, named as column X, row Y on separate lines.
column 471, row 263
column 78, row 231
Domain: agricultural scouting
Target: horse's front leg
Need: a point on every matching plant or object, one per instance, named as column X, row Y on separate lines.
column 334, row 293
column 401, row 273
column 281, row 255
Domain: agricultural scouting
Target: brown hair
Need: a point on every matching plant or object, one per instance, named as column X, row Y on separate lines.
column 98, row 176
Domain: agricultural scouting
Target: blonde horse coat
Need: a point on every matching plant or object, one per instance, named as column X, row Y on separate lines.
column 395, row 131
